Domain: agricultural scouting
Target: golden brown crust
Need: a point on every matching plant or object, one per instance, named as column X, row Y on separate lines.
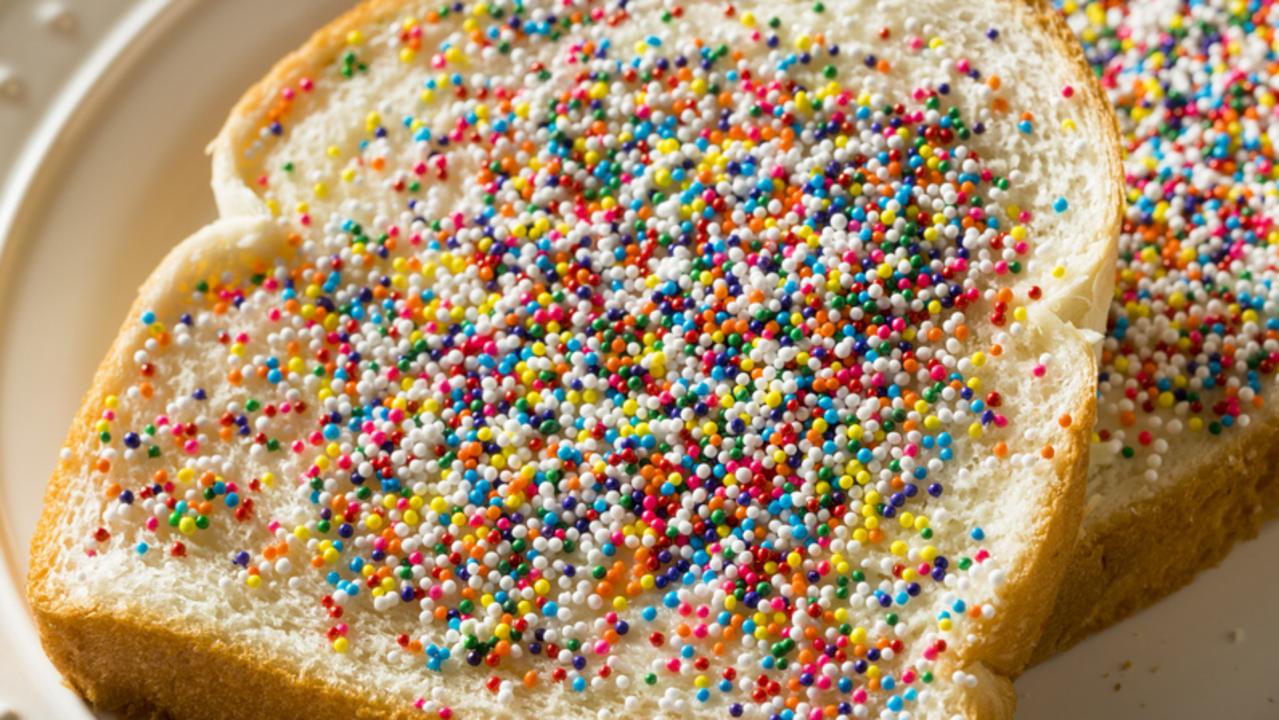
column 136, row 664
column 138, row 667
column 1142, row 553
column 993, row 697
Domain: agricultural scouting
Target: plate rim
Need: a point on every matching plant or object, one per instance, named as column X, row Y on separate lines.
column 43, row 152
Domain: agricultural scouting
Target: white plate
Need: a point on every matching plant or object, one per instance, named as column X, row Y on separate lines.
column 116, row 109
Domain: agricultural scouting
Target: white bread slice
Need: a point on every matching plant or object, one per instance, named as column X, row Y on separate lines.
column 198, row 636
column 1186, row 494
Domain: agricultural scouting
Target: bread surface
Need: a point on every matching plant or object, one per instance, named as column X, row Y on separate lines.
column 171, row 635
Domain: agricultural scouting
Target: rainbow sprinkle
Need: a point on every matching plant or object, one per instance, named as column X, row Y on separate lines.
column 681, row 372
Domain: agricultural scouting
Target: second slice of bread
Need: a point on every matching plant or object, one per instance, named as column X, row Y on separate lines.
column 1188, row 436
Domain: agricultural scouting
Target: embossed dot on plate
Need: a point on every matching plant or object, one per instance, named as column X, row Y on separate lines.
column 57, row 17
column 11, row 86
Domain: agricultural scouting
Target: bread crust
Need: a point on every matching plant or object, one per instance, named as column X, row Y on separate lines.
column 1141, row 553
column 137, row 667
column 102, row 654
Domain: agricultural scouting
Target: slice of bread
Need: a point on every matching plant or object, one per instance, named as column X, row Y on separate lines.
column 1187, row 436
column 612, row 360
